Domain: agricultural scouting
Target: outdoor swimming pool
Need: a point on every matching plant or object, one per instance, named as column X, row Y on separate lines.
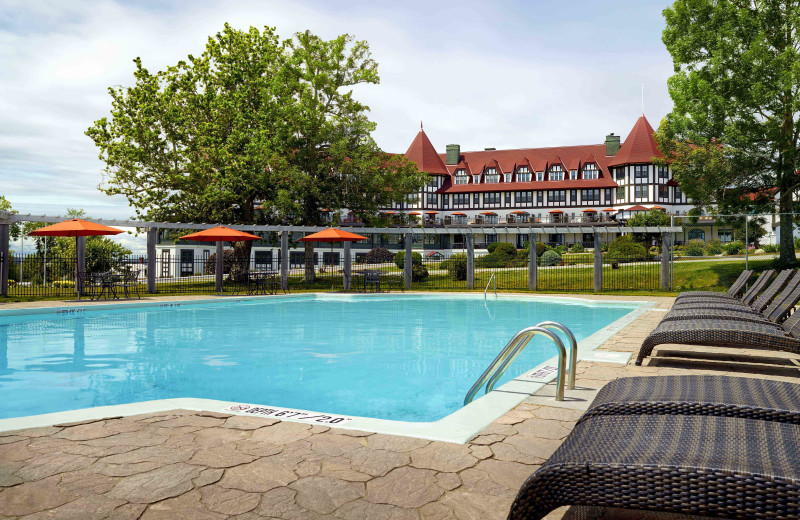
column 401, row 357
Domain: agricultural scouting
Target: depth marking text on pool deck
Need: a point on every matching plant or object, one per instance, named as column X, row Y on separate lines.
column 282, row 413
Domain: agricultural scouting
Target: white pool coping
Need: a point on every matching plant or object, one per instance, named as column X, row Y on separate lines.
column 458, row 427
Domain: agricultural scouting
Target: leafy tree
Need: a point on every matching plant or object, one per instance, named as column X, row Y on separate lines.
column 252, row 121
column 5, row 205
column 654, row 217
column 736, row 94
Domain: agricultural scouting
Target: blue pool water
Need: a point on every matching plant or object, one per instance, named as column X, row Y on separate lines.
column 409, row 358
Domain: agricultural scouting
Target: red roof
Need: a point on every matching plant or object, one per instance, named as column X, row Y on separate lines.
column 449, row 187
column 637, row 207
column 424, row 155
column 639, row 146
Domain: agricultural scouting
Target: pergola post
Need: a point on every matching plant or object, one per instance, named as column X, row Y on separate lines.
column 347, row 270
column 408, row 265
column 532, row 259
column 470, row 239
column 218, row 271
column 666, row 244
column 284, row 260
column 5, row 258
column 152, row 234
column 598, row 263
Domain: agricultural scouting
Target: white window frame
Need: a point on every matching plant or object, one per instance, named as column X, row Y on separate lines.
column 461, row 177
column 590, row 171
column 507, row 177
column 556, row 173
column 573, row 175
column 476, row 179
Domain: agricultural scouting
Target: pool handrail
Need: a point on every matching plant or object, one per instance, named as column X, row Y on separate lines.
column 520, row 339
column 489, row 283
column 573, row 349
column 562, row 361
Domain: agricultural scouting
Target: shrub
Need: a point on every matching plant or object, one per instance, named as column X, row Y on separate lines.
column 577, row 248
column 561, row 249
column 379, row 255
column 550, row 258
column 504, row 248
column 625, row 248
column 491, row 247
column 64, row 283
column 540, row 248
column 603, row 248
column 457, row 266
column 228, row 257
column 770, row 248
column 400, row 259
column 734, row 248
column 419, row 273
column 694, row 247
column 526, row 244
column 797, row 243
column 714, row 247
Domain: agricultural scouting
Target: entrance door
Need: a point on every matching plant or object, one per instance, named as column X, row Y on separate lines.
column 187, row 262
column 165, row 263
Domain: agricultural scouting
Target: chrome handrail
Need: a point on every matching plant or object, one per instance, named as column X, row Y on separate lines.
column 488, row 284
column 573, row 350
column 562, row 360
column 494, row 364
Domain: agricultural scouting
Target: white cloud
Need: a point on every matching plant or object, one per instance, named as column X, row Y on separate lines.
column 502, row 75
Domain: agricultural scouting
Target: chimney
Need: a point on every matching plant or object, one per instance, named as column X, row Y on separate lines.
column 453, row 153
column 612, row 144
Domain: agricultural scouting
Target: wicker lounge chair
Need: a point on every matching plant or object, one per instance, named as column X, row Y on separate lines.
column 775, row 312
column 733, row 292
column 756, row 290
column 725, row 396
column 687, row 464
column 725, row 333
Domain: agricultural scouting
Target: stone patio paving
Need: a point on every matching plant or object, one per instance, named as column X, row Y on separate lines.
column 209, row 466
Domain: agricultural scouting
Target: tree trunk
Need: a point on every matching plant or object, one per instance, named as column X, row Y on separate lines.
column 241, row 260
column 311, row 274
column 787, row 257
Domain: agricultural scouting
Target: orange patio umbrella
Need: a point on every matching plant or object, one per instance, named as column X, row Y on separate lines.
column 220, row 234
column 75, row 228
column 332, row 235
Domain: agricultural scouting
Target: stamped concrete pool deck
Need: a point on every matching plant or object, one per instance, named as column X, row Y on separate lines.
column 185, row 464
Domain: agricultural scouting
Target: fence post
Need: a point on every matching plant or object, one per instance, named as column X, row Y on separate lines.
column 347, row 272
column 408, row 265
column 220, row 268
column 532, row 271
column 284, row 260
column 5, row 258
column 80, row 250
column 152, row 233
column 470, row 239
column 598, row 263
column 666, row 246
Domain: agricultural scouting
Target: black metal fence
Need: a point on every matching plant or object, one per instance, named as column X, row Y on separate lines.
column 36, row 276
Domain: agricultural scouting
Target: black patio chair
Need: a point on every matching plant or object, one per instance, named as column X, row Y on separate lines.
column 130, row 283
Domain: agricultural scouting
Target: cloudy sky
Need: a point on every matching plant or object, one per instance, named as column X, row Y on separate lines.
column 503, row 74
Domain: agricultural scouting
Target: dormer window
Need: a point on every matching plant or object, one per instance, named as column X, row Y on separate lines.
column 476, row 179
column 523, row 174
column 506, row 177
column 573, row 175
column 461, row 177
column 540, row 176
column 590, row 171
column 492, row 177
column 556, row 173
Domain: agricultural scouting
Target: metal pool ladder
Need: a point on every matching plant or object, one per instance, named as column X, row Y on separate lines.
column 489, row 283
column 514, row 348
